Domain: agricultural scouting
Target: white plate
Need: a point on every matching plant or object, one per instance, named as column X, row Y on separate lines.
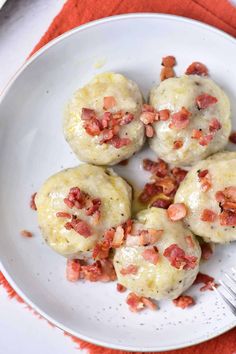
column 32, row 148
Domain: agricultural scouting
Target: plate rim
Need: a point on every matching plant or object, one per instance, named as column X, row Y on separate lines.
column 4, row 92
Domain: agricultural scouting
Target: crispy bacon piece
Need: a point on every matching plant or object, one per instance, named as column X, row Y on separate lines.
column 230, row 193
column 177, row 211
column 158, row 168
column 167, row 184
column 150, row 189
column 207, row 280
column 118, row 237
column 148, row 117
column 93, row 127
column 149, row 131
column 189, row 241
column 108, row 271
column 151, row 255
column 127, row 227
column 121, row 288
column 232, row 138
column 205, row 180
column 184, row 301
column 162, row 203
column 80, row 226
column 106, row 136
column 178, row 144
column 197, row 68
column 130, row 269
column 73, row 268
column 75, row 198
column 127, row 118
column 208, row 215
column 227, row 218
column 164, row 114
column 149, row 237
column 179, row 174
column 149, row 303
column 109, row 102
column 138, row 303
column 178, row 258
column 196, row 134
column 32, row 201
column 99, row 271
column 214, row 125
column 207, row 251
column 180, row 120
column 227, row 202
column 101, row 250
column 134, row 302
column 88, row 114
column 26, row 233
column 148, row 108
column 166, row 73
column 204, row 100
column 95, row 206
column 169, row 61
column 118, row 142
column 206, row 139
column 62, row 214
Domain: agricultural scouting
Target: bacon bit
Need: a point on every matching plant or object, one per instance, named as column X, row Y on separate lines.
column 127, row 118
column 196, row 134
column 162, row 203
column 189, row 241
column 148, row 117
column 88, row 114
column 159, row 168
column 169, row 61
column 106, row 118
column 26, row 233
column 95, row 206
column 177, row 211
column 166, row 73
column 149, row 237
column 62, row 214
column 106, row 136
column 164, row 114
column 148, row 108
column 197, row 68
column 124, row 162
column 101, row 250
column 99, row 271
column 180, row 120
column 207, row 251
column 149, row 303
column 205, row 180
column 178, row 258
column 130, row 269
column 118, row 142
column 179, row 174
column 121, row 288
column 150, row 189
column 109, row 102
column 118, row 237
column 230, row 193
column 204, row 100
column 214, row 125
column 232, row 138
column 32, row 202
column 80, row 226
column 220, row 197
column 73, row 268
column 184, row 301
column 168, row 185
column 135, row 302
column 178, row 144
column 208, row 215
column 207, row 280
column 151, row 255
column 228, row 218
column 149, row 131
column 127, row 226
column 93, row 127
column 205, row 140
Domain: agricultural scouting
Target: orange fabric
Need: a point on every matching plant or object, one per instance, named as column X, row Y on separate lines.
column 218, row 13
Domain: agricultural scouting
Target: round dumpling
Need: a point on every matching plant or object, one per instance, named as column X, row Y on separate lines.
column 102, row 123
column 77, row 205
column 194, row 119
column 209, row 193
column 160, row 259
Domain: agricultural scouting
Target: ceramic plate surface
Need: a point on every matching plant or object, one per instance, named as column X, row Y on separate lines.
column 33, row 147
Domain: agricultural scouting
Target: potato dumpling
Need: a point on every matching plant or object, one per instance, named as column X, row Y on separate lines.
column 102, row 123
column 198, row 120
column 160, row 259
column 209, row 193
column 77, row 205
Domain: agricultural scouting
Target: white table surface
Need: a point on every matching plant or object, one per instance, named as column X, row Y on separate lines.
column 22, row 23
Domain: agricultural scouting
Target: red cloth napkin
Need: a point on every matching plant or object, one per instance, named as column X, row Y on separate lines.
column 218, row 13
